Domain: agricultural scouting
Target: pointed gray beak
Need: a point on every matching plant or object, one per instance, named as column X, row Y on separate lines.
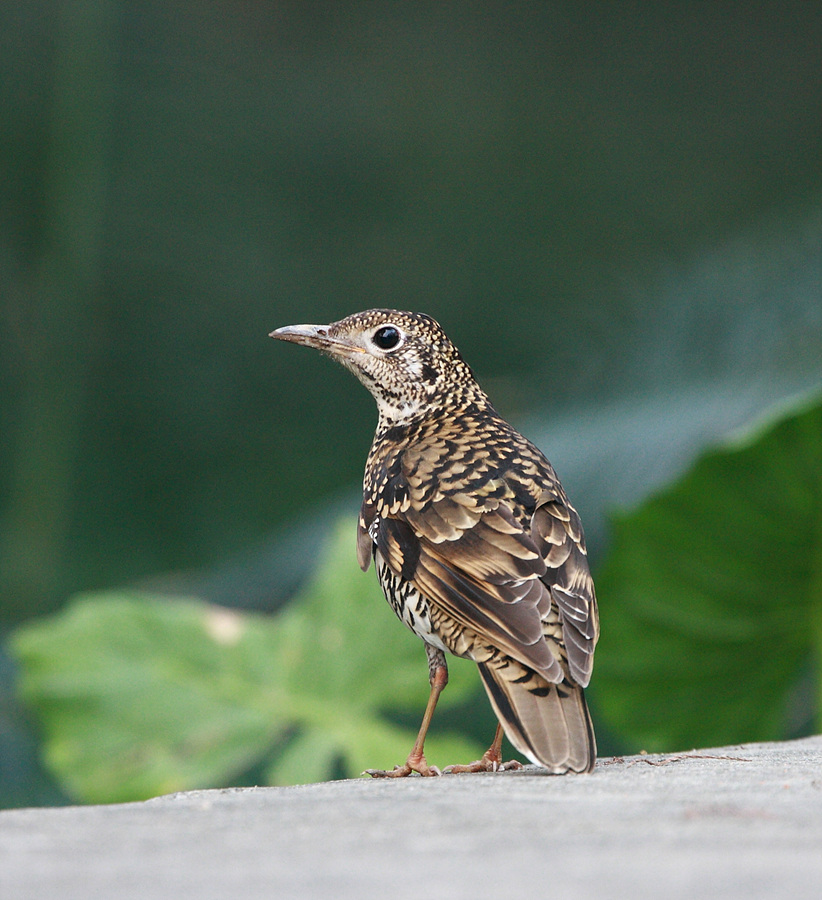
column 310, row 335
column 315, row 336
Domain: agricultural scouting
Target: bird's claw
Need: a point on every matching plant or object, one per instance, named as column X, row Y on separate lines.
column 483, row 765
column 420, row 766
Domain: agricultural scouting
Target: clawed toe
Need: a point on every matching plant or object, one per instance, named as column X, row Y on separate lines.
column 420, row 766
column 483, row 765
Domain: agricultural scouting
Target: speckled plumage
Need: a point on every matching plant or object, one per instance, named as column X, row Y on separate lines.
column 476, row 545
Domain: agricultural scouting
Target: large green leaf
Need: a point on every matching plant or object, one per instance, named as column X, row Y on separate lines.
column 140, row 695
column 712, row 594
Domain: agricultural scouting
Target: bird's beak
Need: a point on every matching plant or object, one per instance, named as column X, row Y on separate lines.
column 311, row 335
column 316, row 336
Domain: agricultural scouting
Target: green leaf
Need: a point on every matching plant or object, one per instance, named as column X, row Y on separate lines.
column 712, row 594
column 140, row 695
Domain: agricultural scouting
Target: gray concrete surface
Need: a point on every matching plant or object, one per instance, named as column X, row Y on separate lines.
column 742, row 822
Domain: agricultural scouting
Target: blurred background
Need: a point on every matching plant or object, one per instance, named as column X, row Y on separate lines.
column 614, row 209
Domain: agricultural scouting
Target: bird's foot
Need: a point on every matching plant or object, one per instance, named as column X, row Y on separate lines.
column 490, row 761
column 416, row 764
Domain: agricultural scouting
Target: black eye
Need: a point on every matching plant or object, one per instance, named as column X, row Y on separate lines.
column 387, row 337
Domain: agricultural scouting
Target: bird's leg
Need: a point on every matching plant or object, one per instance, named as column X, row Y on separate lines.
column 416, row 762
column 491, row 760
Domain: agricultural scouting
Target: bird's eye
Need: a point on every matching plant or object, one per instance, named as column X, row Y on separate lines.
column 387, row 337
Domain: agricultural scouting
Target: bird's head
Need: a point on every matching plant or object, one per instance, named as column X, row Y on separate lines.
column 404, row 359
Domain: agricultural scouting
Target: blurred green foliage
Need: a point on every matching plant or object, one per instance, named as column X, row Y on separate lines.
column 615, row 210
column 711, row 616
column 178, row 180
column 712, row 596
column 139, row 695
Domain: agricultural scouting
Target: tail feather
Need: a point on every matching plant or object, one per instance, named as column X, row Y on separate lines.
column 548, row 723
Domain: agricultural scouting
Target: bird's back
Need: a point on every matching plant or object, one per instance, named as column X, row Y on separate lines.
column 449, row 508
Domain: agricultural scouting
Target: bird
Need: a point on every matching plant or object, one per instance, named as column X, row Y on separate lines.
column 475, row 543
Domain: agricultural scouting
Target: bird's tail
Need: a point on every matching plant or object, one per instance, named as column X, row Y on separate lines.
column 548, row 723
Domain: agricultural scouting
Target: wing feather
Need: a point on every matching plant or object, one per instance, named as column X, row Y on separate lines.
column 473, row 558
column 557, row 533
column 507, row 615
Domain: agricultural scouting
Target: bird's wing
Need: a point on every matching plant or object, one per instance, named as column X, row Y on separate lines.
column 474, row 561
column 469, row 555
column 557, row 534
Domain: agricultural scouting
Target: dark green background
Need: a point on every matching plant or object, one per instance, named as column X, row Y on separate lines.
column 614, row 209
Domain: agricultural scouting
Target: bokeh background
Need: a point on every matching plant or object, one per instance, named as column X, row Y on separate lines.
column 615, row 210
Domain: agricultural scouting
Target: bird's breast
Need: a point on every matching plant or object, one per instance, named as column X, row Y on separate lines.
column 408, row 603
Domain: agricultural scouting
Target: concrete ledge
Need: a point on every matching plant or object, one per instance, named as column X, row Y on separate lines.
column 741, row 821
